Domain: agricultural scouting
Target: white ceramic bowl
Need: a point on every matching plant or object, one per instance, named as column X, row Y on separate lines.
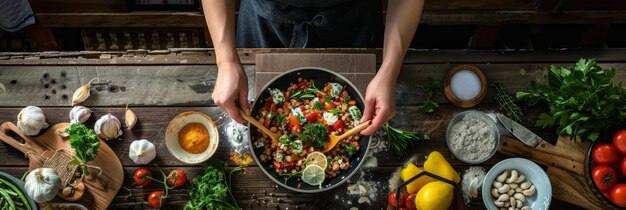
column 171, row 137
column 543, row 195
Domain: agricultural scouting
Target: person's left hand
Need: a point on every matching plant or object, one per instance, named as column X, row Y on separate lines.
column 380, row 102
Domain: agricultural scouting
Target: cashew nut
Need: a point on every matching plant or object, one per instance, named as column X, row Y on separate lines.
column 513, row 186
column 520, row 196
column 502, row 177
column 507, row 204
column 512, row 201
column 518, row 203
column 511, row 192
column 520, row 179
column 497, row 184
column 511, row 208
column 530, row 191
column 499, row 203
column 517, row 190
column 494, row 192
column 505, row 188
column 526, row 185
column 503, row 198
column 526, row 208
column 513, row 177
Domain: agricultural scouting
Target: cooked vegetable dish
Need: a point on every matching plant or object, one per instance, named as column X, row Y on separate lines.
column 304, row 116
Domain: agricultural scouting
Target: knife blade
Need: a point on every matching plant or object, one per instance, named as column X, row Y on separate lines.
column 519, row 131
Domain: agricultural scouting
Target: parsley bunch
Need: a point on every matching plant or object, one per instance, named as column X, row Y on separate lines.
column 211, row 190
column 429, row 87
column 582, row 100
column 314, row 134
column 85, row 144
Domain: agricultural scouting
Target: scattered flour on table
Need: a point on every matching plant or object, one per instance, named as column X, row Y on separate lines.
column 472, row 139
column 235, row 133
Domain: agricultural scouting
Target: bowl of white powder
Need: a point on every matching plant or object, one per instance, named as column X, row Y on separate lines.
column 472, row 137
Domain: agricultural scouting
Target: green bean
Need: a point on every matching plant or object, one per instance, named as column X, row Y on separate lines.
column 20, row 199
column 5, row 195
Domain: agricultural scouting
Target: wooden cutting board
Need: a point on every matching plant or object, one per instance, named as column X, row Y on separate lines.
column 100, row 191
column 566, row 170
column 358, row 68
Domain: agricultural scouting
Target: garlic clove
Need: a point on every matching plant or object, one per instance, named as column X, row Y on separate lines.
column 82, row 93
column 79, row 114
column 108, row 127
column 31, row 120
column 130, row 118
column 142, row 151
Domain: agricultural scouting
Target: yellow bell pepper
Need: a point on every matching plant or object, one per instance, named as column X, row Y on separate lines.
column 437, row 164
column 436, row 195
column 408, row 172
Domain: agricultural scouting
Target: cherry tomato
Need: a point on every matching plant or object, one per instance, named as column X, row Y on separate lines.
column 409, row 202
column 622, row 166
column 338, row 125
column 177, row 178
column 619, row 141
column 142, row 177
column 618, row 195
column 604, row 177
column 312, row 117
column 300, row 84
column 392, row 200
column 156, row 199
column 604, row 153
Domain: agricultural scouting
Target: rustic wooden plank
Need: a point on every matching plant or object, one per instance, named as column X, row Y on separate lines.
column 136, row 85
column 43, row 38
column 484, row 37
column 43, row 6
column 198, row 56
column 358, row 68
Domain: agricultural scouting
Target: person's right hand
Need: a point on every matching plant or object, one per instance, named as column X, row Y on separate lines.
column 231, row 89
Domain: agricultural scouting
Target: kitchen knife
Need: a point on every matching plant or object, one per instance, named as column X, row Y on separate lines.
column 519, row 131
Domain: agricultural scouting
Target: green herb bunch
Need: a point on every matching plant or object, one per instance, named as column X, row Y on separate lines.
column 507, row 103
column 211, row 190
column 85, row 144
column 582, row 100
column 429, row 87
column 398, row 140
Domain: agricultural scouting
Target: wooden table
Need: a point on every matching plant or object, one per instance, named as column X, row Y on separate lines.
column 158, row 85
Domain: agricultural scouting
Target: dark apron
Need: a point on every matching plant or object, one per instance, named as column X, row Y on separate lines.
column 309, row 23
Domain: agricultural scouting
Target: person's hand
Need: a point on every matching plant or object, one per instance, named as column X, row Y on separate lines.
column 231, row 90
column 380, row 102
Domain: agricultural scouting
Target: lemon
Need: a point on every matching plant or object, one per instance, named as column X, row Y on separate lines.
column 313, row 175
column 435, row 195
column 317, row 158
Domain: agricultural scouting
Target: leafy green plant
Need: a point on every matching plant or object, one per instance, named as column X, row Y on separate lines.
column 429, row 87
column 85, row 144
column 582, row 100
column 212, row 190
column 507, row 103
column 398, row 139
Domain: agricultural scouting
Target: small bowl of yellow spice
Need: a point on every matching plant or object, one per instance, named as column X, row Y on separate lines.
column 192, row 137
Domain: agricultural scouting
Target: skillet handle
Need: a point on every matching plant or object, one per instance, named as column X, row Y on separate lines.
column 9, row 126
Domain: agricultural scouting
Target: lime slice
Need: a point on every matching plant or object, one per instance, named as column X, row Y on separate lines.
column 316, row 158
column 313, row 175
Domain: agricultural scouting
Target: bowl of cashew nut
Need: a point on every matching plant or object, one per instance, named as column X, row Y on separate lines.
column 516, row 184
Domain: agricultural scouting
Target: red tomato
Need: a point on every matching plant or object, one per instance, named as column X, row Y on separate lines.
column 604, row 153
column 177, row 178
column 300, row 84
column 273, row 107
column 338, row 125
column 618, row 195
column 409, row 202
column 156, row 199
column 392, row 200
column 142, row 177
column 604, row 177
column 266, row 123
column 619, row 141
column 403, row 208
column 312, row 117
column 329, row 105
column 622, row 166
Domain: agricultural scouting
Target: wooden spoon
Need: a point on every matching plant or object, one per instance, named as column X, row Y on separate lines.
column 335, row 139
column 256, row 123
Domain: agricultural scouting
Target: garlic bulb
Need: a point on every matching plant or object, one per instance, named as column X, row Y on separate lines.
column 108, row 127
column 79, row 114
column 31, row 120
column 42, row 184
column 142, row 151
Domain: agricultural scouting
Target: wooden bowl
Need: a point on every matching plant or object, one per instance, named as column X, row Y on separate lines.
column 458, row 101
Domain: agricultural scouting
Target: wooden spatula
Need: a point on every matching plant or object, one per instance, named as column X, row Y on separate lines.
column 335, row 139
column 256, row 123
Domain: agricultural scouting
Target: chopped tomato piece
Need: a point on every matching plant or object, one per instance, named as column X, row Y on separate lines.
column 266, row 123
column 302, row 108
column 296, row 128
column 329, row 106
column 352, row 102
column 300, row 84
column 338, row 125
column 269, row 99
column 273, row 107
column 287, row 94
column 312, row 117
column 293, row 120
